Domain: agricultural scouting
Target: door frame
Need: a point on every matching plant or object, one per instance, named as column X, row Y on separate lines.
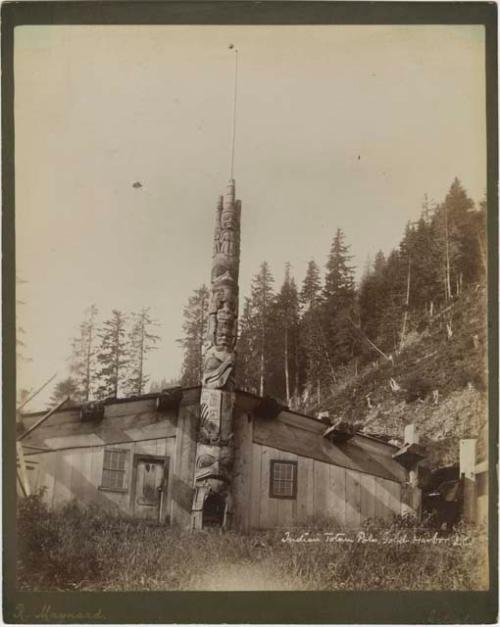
column 165, row 461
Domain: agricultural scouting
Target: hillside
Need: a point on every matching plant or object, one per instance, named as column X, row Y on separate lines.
column 437, row 381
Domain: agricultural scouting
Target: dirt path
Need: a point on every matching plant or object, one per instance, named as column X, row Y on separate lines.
column 244, row 576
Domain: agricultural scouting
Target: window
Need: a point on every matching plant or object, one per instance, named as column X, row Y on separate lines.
column 283, row 479
column 113, row 469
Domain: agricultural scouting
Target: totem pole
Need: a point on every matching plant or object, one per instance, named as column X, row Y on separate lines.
column 214, row 450
column 212, row 502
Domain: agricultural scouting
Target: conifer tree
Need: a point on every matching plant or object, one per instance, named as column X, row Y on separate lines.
column 339, row 278
column 373, row 297
column 141, row 340
column 112, row 356
column 287, row 334
column 310, row 294
column 339, row 303
column 248, row 365
column 311, row 331
column 66, row 388
column 261, row 301
column 195, row 328
column 459, row 250
column 83, row 361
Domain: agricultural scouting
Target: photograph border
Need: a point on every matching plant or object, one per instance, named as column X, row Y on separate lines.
column 366, row 607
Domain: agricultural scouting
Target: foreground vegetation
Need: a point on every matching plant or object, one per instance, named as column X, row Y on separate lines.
column 86, row 549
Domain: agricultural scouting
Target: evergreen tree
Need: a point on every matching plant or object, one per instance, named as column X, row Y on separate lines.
column 286, row 320
column 312, row 336
column 112, row 356
column 339, row 288
column 464, row 222
column 459, row 247
column 195, row 329
column 141, row 341
column 310, row 294
column 339, row 296
column 83, row 362
column 261, row 301
column 388, row 336
column 372, row 298
column 66, row 388
column 248, row 365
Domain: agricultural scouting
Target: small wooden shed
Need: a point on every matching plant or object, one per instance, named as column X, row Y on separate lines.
column 138, row 456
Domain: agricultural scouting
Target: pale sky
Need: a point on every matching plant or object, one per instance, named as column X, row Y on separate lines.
column 338, row 126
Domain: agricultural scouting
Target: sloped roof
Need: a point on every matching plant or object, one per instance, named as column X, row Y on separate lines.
column 359, row 453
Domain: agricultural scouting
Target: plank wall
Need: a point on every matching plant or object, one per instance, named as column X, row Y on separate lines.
column 74, row 469
column 324, row 492
column 242, row 470
column 77, row 474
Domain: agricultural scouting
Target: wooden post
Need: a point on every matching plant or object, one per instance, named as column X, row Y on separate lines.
column 468, row 477
column 411, row 501
column 22, row 473
column 410, row 435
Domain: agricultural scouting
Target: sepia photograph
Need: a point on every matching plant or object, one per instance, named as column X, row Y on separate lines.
column 251, row 308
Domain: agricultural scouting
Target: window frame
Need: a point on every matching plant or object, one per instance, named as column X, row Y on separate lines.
column 272, row 494
column 126, row 454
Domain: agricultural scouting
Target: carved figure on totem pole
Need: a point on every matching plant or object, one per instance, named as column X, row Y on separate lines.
column 214, row 454
column 218, row 358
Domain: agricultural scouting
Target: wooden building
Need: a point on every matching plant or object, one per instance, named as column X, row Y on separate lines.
column 139, row 456
column 213, row 455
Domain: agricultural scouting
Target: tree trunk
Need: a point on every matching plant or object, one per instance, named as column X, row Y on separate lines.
column 262, row 356
column 287, row 373
column 141, row 358
column 87, row 364
column 261, row 387
column 407, row 305
column 447, row 246
column 296, row 361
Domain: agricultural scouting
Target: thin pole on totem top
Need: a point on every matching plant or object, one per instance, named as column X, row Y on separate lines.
column 235, row 95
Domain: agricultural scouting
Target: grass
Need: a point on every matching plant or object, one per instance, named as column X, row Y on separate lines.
column 78, row 548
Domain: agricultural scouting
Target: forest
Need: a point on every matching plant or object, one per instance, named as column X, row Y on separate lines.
column 300, row 343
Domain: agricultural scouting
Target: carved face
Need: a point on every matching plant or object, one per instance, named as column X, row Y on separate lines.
column 224, row 333
column 214, row 462
column 222, row 296
column 227, row 220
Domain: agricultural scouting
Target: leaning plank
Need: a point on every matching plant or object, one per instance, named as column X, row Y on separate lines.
column 43, row 419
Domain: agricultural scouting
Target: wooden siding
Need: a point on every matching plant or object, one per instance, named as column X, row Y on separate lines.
column 77, row 474
column 183, row 475
column 325, row 492
column 346, row 483
column 242, row 471
column 304, row 437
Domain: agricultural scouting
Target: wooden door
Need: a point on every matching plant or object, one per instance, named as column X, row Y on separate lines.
column 150, row 481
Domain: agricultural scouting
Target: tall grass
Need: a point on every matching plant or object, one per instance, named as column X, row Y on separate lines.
column 78, row 548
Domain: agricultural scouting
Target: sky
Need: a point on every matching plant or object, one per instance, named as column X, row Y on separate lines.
column 337, row 127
